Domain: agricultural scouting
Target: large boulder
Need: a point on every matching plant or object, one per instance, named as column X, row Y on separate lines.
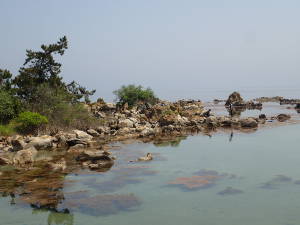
column 126, row 123
column 147, row 132
column 18, row 143
column 95, row 160
column 235, row 99
column 82, row 135
column 25, row 156
column 249, row 123
column 42, row 142
column 93, row 133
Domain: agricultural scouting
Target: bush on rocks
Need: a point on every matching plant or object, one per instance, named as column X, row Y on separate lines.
column 30, row 122
column 132, row 94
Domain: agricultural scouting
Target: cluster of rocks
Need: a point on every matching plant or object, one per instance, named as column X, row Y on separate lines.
column 285, row 101
column 269, row 99
column 23, row 150
column 142, row 121
column 235, row 100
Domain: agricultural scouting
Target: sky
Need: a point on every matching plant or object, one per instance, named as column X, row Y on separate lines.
column 181, row 49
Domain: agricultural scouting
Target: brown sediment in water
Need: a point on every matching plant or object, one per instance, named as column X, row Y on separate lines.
column 103, row 204
column 203, row 179
column 194, row 182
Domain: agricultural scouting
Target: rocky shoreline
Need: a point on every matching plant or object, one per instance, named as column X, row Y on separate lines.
column 141, row 122
column 30, row 176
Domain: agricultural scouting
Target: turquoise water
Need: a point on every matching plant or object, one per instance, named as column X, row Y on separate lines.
column 262, row 167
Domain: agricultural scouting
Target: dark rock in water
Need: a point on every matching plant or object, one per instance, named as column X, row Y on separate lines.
column 297, row 106
column 234, row 99
column 282, row 178
column 283, row 117
column 249, row 123
column 262, row 116
column 230, row 191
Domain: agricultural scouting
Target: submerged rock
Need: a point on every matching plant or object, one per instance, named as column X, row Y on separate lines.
column 230, row 191
column 104, row 204
column 195, row 182
column 276, row 181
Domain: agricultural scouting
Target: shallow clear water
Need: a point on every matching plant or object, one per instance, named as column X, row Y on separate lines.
column 255, row 160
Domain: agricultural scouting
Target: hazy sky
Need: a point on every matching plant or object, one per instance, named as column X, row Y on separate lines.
column 180, row 48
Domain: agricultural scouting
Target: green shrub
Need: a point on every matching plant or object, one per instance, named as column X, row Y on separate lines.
column 6, row 130
column 71, row 116
column 30, row 122
column 9, row 106
column 132, row 94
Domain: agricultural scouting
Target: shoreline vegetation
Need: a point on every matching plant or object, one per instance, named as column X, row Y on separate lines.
column 40, row 112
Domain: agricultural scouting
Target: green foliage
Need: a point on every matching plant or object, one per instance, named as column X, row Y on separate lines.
column 7, row 130
column 29, row 122
column 40, row 90
column 78, row 92
column 132, row 95
column 58, row 106
column 41, row 68
column 9, row 106
column 5, row 80
column 70, row 116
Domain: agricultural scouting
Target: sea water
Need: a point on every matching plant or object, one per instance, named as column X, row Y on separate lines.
column 262, row 168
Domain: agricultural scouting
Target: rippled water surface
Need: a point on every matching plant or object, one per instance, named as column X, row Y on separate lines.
column 252, row 179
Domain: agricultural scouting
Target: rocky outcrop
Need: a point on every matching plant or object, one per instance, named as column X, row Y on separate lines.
column 41, row 142
column 95, row 159
column 235, row 99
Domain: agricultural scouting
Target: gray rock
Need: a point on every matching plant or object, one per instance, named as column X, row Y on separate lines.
column 82, row 135
column 126, row 123
column 25, row 156
column 93, row 133
column 42, row 142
